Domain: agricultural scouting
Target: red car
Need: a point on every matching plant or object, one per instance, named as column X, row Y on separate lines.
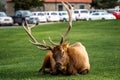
column 116, row 14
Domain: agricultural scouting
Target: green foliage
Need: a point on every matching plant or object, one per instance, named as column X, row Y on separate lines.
column 27, row 4
column 20, row 60
column 2, row 5
column 103, row 4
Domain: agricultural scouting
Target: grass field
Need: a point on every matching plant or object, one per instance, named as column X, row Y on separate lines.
column 20, row 60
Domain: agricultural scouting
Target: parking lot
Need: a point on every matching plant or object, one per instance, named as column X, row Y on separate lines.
column 46, row 17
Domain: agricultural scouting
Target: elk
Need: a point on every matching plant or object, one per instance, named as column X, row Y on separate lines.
column 62, row 57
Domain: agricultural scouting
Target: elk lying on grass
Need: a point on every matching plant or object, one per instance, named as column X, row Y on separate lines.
column 63, row 58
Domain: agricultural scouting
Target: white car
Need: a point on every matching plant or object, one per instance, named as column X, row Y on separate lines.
column 5, row 20
column 101, row 16
column 38, row 17
column 52, row 16
column 64, row 16
column 81, row 14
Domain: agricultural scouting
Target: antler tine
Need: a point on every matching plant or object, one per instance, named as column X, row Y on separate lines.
column 42, row 46
column 53, row 43
column 69, row 9
column 28, row 30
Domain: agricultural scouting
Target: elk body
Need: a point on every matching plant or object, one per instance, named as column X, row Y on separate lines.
column 67, row 59
column 62, row 57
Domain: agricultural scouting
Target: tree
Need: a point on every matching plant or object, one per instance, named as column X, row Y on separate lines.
column 104, row 4
column 27, row 4
column 2, row 5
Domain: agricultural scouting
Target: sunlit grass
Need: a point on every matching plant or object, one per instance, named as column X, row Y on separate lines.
column 20, row 60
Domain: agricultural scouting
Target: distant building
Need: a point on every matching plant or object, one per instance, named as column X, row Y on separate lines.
column 52, row 5
column 55, row 5
column 10, row 7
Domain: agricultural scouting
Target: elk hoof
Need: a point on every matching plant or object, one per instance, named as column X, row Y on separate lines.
column 84, row 72
column 41, row 71
column 53, row 72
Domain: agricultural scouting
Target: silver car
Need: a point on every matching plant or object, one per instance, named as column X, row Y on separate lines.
column 5, row 20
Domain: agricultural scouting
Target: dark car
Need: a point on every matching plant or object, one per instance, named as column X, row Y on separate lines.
column 21, row 15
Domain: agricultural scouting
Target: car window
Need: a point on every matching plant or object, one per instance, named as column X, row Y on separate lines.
column 64, row 13
column 60, row 14
column 53, row 13
column 47, row 13
column 2, row 15
column 95, row 14
column 18, row 13
column 27, row 13
column 104, row 13
column 84, row 11
column 34, row 14
column 76, row 12
column 41, row 14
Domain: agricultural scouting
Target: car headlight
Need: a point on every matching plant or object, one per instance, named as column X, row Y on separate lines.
column 1, row 19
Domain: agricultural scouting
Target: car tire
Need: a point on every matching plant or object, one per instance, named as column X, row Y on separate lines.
column 103, row 18
column 90, row 19
column 20, row 24
column 64, row 20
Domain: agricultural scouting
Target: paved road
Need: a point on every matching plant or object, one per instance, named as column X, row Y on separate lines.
column 15, row 25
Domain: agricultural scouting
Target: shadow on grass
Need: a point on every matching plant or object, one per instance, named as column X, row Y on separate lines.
column 21, row 75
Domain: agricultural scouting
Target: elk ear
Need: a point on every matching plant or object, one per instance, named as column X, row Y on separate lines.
column 66, row 44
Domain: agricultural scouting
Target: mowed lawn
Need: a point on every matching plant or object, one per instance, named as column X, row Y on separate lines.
column 20, row 60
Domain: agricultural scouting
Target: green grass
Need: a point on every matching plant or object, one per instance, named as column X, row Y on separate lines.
column 20, row 60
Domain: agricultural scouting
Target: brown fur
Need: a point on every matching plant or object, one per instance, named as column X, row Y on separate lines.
column 74, row 60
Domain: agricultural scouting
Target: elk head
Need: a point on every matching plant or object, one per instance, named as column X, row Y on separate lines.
column 59, row 50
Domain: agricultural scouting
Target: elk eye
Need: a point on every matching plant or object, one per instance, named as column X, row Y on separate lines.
column 53, row 56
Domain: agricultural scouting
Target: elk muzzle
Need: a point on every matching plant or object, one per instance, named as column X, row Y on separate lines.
column 59, row 66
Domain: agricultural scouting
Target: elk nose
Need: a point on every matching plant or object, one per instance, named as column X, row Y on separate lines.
column 58, row 65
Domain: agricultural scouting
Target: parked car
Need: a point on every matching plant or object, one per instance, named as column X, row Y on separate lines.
column 96, row 10
column 64, row 16
column 38, row 17
column 81, row 14
column 5, row 20
column 20, row 16
column 52, row 16
column 100, row 16
column 115, row 12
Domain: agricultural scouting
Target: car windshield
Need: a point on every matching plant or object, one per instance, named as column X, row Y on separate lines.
column 27, row 13
column 2, row 15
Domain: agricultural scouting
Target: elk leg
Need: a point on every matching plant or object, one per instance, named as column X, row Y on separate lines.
column 71, row 70
column 46, row 63
column 52, row 64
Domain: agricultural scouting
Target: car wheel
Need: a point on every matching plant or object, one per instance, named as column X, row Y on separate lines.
column 103, row 18
column 90, row 19
column 10, row 24
column 20, row 24
column 64, row 20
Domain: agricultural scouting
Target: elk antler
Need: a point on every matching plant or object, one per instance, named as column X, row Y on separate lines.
column 69, row 10
column 42, row 46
